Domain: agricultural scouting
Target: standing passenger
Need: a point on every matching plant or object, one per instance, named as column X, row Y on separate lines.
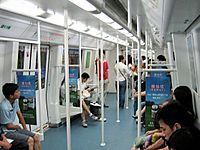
column 123, row 72
column 105, row 75
column 9, row 107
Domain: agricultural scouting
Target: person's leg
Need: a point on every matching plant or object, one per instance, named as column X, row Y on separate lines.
column 122, row 92
column 105, row 91
column 143, row 110
column 135, row 105
column 30, row 143
column 37, row 144
column 83, row 115
column 32, row 136
column 120, row 98
column 21, row 140
column 86, row 108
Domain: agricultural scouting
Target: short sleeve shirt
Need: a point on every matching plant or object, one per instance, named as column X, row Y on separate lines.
column 81, row 86
column 105, row 70
column 8, row 111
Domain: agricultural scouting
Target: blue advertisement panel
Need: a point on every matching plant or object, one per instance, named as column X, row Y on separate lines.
column 157, row 92
column 157, row 89
column 27, row 101
column 158, row 73
column 73, row 85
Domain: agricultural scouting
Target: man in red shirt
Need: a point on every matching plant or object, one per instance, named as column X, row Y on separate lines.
column 105, row 74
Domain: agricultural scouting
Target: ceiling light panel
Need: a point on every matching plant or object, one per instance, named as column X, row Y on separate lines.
column 84, row 4
column 103, row 18
column 22, row 6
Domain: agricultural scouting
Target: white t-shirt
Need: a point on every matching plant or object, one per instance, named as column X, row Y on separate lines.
column 123, row 69
column 82, row 86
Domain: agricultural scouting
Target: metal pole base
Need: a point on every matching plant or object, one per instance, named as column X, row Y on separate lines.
column 103, row 144
column 117, row 120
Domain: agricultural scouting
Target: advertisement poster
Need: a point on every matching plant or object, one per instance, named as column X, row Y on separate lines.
column 73, row 85
column 27, row 101
column 157, row 92
column 87, row 61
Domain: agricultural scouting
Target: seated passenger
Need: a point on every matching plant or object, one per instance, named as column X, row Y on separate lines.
column 172, row 117
column 9, row 107
column 83, row 96
column 184, row 139
column 183, row 95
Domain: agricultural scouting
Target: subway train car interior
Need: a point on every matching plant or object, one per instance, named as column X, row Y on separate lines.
column 97, row 74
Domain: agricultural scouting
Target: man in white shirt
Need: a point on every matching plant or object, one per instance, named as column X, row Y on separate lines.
column 85, row 92
column 123, row 72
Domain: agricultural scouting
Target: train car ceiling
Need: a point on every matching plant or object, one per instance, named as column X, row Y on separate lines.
column 27, row 29
column 79, row 20
column 163, row 17
column 159, row 17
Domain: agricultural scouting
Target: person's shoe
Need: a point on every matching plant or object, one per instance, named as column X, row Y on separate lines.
column 93, row 117
column 95, row 104
column 106, row 106
column 134, row 116
column 84, row 124
column 104, row 119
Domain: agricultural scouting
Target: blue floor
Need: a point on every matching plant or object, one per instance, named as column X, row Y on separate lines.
column 118, row 136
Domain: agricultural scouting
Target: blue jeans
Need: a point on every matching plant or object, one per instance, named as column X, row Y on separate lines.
column 122, row 90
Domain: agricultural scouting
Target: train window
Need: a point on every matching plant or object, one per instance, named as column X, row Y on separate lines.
column 20, row 64
column 43, row 54
column 193, row 71
column 87, row 59
column 73, row 56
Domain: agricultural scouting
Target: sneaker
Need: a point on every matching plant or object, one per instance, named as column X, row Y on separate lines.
column 104, row 119
column 134, row 116
column 93, row 117
column 95, row 104
column 84, row 124
column 106, row 106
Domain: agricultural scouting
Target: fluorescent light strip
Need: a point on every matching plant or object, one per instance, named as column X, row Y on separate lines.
column 103, row 17
column 22, row 6
column 84, row 4
column 115, row 25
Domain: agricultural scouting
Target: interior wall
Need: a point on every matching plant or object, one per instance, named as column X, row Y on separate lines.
column 2, row 51
column 111, row 57
column 54, row 82
column 181, row 59
column 196, row 35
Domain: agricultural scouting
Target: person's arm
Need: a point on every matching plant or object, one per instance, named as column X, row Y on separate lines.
column 21, row 119
column 165, row 148
column 155, row 145
column 151, row 131
column 143, row 93
column 11, row 126
column 4, row 143
column 127, row 71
